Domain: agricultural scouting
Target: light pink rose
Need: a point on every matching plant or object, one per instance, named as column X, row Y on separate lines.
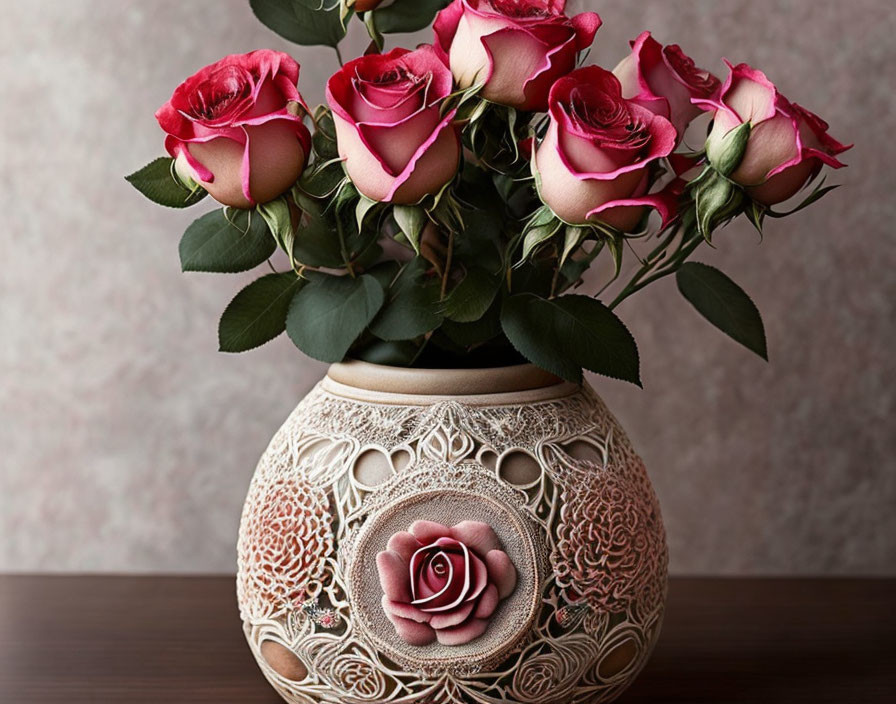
column 396, row 145
column 663, row 80
column 517, row 48
column 594, row 162
column 234, row 127
column 788, row 145
column 442, row 583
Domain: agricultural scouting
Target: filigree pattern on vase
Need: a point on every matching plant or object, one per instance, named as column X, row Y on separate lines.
column 344, row 475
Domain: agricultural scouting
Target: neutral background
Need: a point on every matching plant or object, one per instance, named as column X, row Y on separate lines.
column 127, row 442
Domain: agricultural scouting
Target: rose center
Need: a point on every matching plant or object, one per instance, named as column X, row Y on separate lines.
column 215, row 97
column 685, row 67
column 525, row 9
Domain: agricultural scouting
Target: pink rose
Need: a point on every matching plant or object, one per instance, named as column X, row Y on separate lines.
column 663, row 80
column 594, row 162
column 395, row 143
column 517, row 48
column 787, row 146
column 444, row 583
column 236, row 128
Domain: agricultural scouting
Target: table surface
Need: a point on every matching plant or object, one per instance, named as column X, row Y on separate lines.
column 178, row 640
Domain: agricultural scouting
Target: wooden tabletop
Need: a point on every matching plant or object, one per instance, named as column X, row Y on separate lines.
column 178, row 640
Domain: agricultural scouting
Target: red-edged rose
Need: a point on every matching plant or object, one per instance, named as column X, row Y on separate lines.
column 442, row 583
column 236, row 127
column 515, row 48
column 594, row 161
column 787, row 146
column 664, row 80
column 396, row 144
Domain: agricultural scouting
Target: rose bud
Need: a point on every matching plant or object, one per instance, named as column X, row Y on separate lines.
column 786, row 147
column 594, row 160
column 233, row 129
column 395, row 144
column 664, row 79
column 515, row 48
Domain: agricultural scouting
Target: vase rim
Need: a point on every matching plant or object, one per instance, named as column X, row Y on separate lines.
column 382, row 379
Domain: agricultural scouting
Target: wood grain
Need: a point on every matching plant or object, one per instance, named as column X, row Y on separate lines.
column 178, row 640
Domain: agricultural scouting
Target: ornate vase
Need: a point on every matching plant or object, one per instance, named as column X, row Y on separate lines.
column 436, row 536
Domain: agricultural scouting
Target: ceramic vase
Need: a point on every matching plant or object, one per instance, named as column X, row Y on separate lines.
column 451, row 536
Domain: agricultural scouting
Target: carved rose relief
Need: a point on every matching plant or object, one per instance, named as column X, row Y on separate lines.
column 444, row 583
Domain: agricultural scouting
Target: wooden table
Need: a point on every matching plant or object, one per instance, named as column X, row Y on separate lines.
column 176, row 640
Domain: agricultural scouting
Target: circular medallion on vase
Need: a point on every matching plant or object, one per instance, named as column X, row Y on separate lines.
column 445, row 572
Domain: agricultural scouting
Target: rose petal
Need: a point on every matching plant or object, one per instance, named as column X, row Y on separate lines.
column 477, row 536
column 470, row 630
column 412, row 632
column 428, row 531
column 452, row 618
column 394, row 576
column 478, row 577
column 501, row 572
column 398, row 609
column 487, row 603
column 405, row 544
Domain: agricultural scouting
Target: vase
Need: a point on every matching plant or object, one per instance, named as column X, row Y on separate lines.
column 436, row 536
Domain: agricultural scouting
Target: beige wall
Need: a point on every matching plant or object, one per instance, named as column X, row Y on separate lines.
column 127, row 442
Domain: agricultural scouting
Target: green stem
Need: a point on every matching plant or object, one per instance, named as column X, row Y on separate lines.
column 448, row 258
column 648, row 273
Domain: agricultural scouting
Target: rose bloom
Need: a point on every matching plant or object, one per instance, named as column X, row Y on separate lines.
column 235, row 127
column 788, row 145
column 594, row 160
column 516, row 48
column 395, row 144
column 442, row 583
column 663, row 80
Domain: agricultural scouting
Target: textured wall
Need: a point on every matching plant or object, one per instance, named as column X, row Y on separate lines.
column 127, row 442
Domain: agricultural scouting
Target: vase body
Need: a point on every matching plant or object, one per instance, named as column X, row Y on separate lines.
column 375, row 457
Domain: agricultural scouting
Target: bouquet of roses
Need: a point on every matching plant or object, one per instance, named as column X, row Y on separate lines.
column 443, row 207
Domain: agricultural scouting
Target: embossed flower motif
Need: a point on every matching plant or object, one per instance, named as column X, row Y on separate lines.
column 611, row 548
column 286, row 540
column 444, row 583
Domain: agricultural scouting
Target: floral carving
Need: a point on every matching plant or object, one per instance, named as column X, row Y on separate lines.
column 286, row 540
column 444, row 583
column 610, row 551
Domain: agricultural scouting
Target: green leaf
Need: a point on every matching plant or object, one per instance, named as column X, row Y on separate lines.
column 715, row 199
column 472, row 296
column 725, row 154
column 330, row 312
column 307, row 22
column 411, row 219
column 405, row 16
column 536, row 236
column 362, row 208
column 226, row 241
column 572, row 238
column 323, row 180
column 413, row 307
column 565, row 334
column 257, row 314
column 317, row 244
column 157, row 182
column 394, row 354
column 724, row 304
column 279, row 221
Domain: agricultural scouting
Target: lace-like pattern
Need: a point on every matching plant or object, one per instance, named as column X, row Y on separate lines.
column 558, row 480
